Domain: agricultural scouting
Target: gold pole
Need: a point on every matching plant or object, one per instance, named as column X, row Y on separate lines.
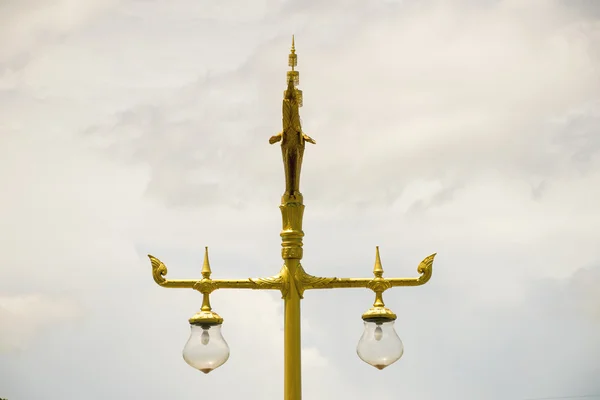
column 292, row 211
column 292, row 385
column 292, row 280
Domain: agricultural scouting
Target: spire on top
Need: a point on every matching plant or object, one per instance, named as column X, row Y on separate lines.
column 293, row 58
column 378, row 269
column 293, row 76
column 206, row 265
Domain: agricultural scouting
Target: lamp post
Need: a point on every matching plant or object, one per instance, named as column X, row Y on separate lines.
column 379, row 345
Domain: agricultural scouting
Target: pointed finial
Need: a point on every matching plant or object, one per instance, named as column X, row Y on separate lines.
column 293, row 77
column 293, row 58
column 206, row 265
column 377, row 269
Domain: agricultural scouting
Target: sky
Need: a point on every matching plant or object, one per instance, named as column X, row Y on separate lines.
column 469, row 129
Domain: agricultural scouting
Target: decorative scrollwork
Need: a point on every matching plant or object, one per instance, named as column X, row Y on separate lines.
column 205, row 286
column 159, row 270
column 279, row 281
column 425, row 267
column 271, row 282
column 306, row 281
column 379, row 285
column 291, row 252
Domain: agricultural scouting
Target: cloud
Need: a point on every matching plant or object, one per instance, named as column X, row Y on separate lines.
column 466, row 129
column 447, row 107
column 26, row 26
column 586, row 299
column 26, row 317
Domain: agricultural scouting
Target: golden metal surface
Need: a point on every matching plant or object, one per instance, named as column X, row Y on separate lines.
column 206, row 316
column 292, row 281
column 292, row 138
column 208, row 285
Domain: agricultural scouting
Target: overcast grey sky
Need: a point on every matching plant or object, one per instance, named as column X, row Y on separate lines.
column 466, row 128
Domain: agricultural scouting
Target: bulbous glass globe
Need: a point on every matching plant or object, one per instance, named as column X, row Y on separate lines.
column 379, row 345
column 206, row 349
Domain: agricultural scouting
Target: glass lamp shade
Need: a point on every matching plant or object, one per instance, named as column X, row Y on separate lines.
column 206, row 349
column 379, row 345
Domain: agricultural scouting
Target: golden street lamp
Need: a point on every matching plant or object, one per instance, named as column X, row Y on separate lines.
column 379, row 345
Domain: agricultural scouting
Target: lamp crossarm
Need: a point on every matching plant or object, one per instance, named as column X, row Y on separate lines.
column 377, row 283
column 207, row 285
column 303, row 280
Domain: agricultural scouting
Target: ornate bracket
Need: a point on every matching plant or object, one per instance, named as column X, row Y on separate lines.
column 207, row 285
column 376, row 284
column 305, row 281
column 302, row 280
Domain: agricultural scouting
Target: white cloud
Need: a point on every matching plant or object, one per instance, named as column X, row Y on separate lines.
column 467, row 129
column 27, row 24
column 22, row 318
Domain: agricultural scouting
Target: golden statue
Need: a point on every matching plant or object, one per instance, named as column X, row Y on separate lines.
column 292, row 138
